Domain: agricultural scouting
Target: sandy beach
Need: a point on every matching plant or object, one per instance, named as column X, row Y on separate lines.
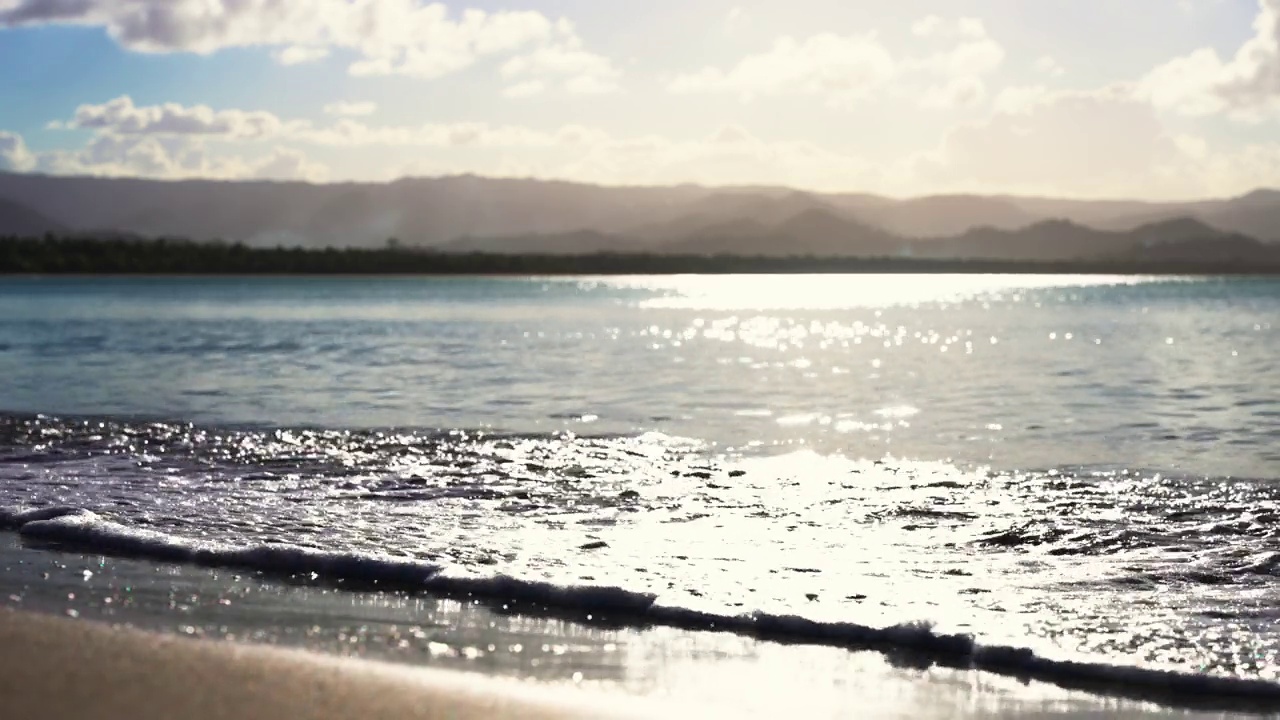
column 58, row 668
column 170, row 641
column 55, row 668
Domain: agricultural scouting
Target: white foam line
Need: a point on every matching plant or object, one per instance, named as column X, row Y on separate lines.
column 76, row 527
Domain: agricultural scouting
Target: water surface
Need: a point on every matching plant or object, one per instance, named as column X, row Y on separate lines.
column 1083, row 466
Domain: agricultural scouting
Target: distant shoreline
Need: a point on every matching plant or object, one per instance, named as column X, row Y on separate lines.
column 586, row 274
column 130, row 257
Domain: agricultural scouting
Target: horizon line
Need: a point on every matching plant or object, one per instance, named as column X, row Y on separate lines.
column 656, row 186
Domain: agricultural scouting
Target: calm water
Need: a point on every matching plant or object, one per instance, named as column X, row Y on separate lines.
column 1085, row 466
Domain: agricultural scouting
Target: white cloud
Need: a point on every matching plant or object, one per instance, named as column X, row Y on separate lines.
column 928, row 26
column 134, row 156
column 351, row 109
column 1048, row 65
column 1051, row 144
column 1187, row 85
column 729, row 156
column 1230, row 173
column 122, row 117
column 736, row 21
column 933, row 26
column 731, row 135
column 957, row 73
column 971, row 28
column 175, row 157
column 578, row 136
column 846, row 69
column 1247, row 86
column 121, row 156
column 389, row 37
column 839, row 68
column 961, row 92
column 300, row 54
column 565, row 60
column 590, row 85
column 974, row 54
column 351, row 133
column 1192, row 146
column 14, row 155
column 289, row 164
column 1019, row 100
column 528, row 88
column 1037, row 141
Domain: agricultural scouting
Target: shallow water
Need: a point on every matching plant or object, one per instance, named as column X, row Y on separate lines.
column 1082, row 466
column 702, row 674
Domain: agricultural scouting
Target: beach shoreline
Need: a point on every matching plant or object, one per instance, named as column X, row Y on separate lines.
column 172, row 623
column 58, row 668
column 55, row 668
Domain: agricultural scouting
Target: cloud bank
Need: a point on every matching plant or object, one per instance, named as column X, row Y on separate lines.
column 994, row 123
column 387, row 37
column 1246, row 87
column 846, row 69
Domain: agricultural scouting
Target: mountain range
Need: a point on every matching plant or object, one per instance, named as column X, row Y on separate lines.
column 469, row 213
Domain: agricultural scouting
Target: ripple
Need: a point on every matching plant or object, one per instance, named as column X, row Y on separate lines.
column 887, row 541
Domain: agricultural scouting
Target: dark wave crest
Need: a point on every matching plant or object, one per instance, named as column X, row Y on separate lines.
column 79, row 529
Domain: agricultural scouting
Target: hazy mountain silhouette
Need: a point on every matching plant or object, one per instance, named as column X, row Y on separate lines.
column 1175, row 231
column 1063, row 240
column 1225, row 248
column 1045, row 240
column 817, row 232
column 519, row 215
column 945, row 215
column 18, row 219
column 418, row 211
column 719, row 212
column 1256, row 214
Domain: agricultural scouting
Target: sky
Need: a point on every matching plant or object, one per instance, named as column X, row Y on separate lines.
column 1156, row 99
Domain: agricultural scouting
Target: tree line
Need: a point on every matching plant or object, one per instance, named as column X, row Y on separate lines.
column 53, row 254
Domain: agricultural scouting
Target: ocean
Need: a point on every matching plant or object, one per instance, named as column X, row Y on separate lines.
column 1042, row 476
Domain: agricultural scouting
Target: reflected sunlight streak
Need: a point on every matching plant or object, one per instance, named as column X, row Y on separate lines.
column 835, row 292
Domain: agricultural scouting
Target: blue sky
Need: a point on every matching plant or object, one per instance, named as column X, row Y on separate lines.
column 1088, row 98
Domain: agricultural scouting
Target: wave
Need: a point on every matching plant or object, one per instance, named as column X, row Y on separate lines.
column 916, row 644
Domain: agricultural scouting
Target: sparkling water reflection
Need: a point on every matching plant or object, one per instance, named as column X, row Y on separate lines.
column 1084, row 465
column 1016, row 372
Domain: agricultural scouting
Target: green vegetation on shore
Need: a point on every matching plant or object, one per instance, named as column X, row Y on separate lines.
column 84, row 255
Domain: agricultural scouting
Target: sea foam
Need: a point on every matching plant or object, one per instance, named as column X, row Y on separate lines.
column 80, row 529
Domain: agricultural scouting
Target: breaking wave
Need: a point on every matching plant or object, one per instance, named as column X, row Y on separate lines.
column 73, row 528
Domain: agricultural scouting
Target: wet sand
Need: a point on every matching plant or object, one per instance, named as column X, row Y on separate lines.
column 55, row 668
column 220, row 645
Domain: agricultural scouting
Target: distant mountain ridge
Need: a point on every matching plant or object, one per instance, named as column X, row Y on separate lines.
column 822, row 233
column 18, row 219
column 943, row 215
column 469, row 213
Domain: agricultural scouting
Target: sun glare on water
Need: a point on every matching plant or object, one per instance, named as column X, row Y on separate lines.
column 835, row 292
